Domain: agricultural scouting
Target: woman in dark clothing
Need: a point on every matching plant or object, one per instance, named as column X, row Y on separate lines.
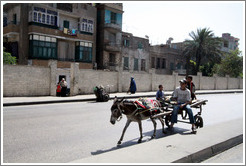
column 133, row 86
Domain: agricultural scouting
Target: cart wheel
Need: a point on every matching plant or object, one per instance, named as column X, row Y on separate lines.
column 198, row 121
column 168, row 120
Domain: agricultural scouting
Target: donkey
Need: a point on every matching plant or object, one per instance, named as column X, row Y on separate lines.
column 130, row 109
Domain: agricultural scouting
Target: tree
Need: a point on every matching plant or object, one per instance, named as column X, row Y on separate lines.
column 203, row 48
column 7, row 58
column 231, row 64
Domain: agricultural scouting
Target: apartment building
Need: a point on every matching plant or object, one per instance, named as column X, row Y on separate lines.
column 166, row 59
column 135, row 53
column 229, row 42
column 66, row 32
column 109, row 35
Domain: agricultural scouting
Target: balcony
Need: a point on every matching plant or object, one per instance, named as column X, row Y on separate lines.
column 113, row 47
column 112, row 27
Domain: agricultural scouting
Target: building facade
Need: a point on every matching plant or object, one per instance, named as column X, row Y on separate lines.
column 166, row 59
column 135, row 53
column 35, row 33
column 229, row 43
column 89, row 34
column 109, row 35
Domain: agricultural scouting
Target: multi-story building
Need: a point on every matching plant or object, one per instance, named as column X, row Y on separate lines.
column 166, row 59
column 109, row 35
column 135, row 53
column 65, row 32
column 90, row 34
column 229, row 42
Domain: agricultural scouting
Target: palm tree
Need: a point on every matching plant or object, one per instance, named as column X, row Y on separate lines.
column 204, row 47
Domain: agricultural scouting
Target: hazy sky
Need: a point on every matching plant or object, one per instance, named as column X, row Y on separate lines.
column 163, row 19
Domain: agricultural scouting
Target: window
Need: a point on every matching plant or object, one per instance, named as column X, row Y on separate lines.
column 126, row 42
column 135, row 64
column 126, row 63
column 35, row 17
column 48, row 19
column 143, row 63
column 14, row 19
column 158, row 64
column 66, row 24
column 111, row 59
column 226, row 44
column 83, row 51
column 5, row 21
column 42, row 47
column 87, row 25
column 178, row 66
column 140, row 45
column 152, row 62
column 52, row 20
column 41, row 16
column 163, row 64
column 172, row 66
column 113, row 17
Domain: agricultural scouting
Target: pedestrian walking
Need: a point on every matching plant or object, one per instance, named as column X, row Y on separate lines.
column 133, row 87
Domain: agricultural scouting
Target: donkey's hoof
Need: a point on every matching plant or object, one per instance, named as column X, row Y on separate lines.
column 140, row 140
column 119, row 142
column 153, row 136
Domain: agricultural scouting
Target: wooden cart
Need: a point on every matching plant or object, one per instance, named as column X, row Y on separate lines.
column 168, row 108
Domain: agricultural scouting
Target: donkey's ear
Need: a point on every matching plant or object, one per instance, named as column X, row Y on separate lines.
column 115, row 99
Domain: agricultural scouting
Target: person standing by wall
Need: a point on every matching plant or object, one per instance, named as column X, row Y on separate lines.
column 63, row 84
column 58, row 89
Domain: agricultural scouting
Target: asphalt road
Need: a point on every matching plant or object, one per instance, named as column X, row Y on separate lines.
column 58, row 133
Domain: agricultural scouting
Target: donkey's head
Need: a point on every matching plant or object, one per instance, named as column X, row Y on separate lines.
column 116, row 110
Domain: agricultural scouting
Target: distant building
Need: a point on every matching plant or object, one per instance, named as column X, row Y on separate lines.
column 166, row 59
column 135, row 53
column 229, row 42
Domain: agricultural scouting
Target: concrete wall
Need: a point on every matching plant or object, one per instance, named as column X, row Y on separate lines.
column 26, row 81
column 88, row 79
column 23, row 80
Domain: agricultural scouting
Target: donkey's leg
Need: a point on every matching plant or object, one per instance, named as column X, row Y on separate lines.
column 124, row 130
column 140, row 130
column 154, row 123
column 162, row 123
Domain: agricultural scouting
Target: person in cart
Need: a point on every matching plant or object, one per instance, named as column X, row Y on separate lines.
column 191, row 86
column 160, row 95
column 183, row 97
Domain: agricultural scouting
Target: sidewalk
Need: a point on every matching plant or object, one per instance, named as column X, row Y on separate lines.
column 180, row 147
column 15, row 101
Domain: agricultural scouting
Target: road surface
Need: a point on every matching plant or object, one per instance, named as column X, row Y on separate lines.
column 58, row 133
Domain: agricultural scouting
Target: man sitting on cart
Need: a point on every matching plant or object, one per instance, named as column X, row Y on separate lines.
column 183, row 97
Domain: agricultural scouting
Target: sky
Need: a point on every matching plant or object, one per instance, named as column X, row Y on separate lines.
column 163, row 19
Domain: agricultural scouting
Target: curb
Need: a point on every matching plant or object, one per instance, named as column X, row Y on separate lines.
column 204, row 154
column 111, row 98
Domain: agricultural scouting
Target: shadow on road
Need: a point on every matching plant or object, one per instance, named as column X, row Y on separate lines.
column 146, row 138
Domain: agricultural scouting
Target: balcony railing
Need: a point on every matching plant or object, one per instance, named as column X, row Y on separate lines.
column 111, row 46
